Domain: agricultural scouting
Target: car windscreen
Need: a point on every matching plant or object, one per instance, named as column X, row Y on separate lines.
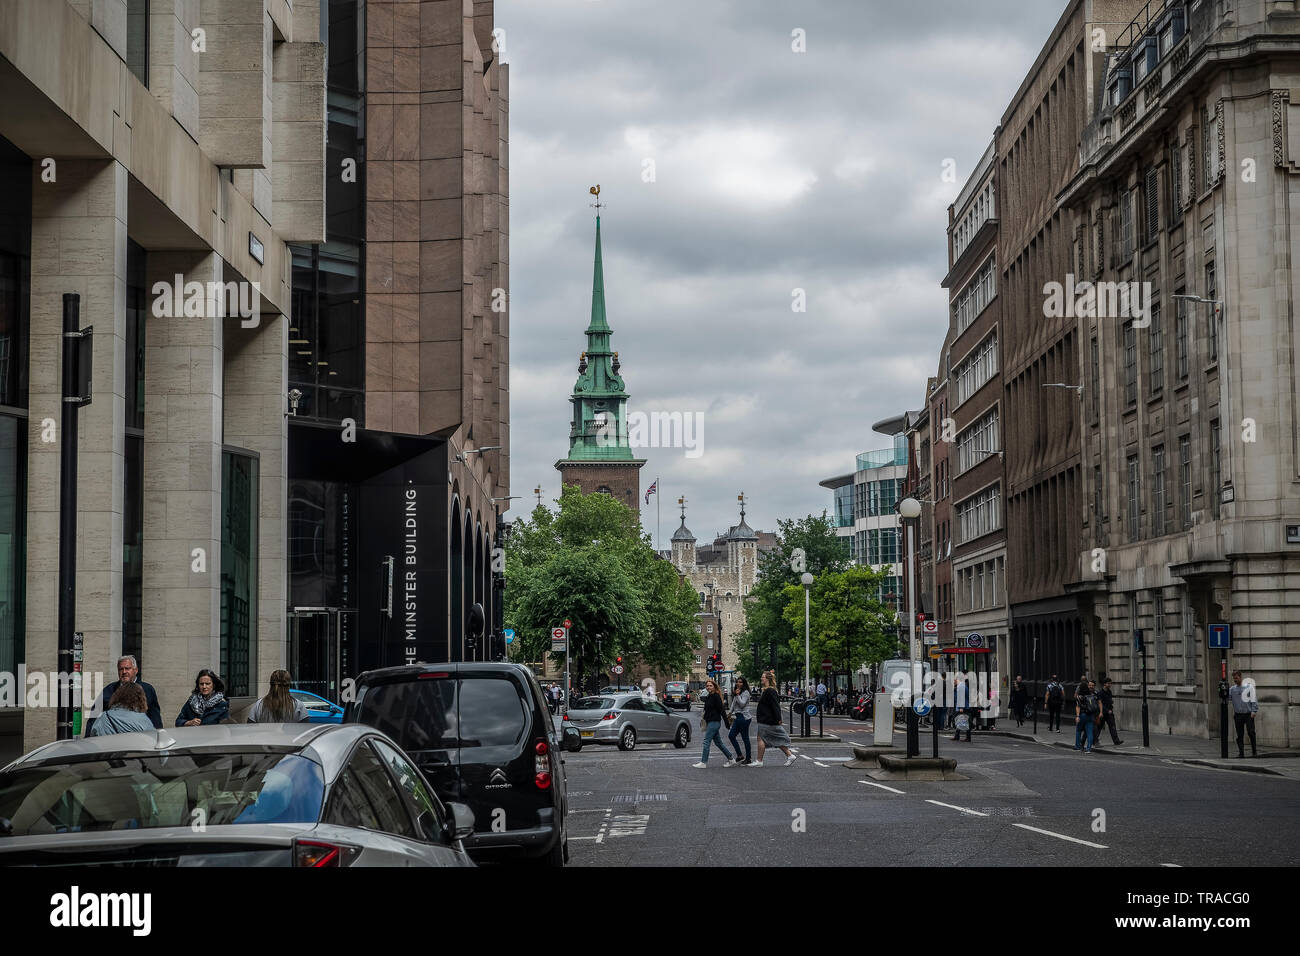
column 425, row 714
column 594, row 703
column 675, row 688
column 165, row 789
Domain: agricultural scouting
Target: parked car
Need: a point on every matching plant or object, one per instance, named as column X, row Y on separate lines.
column 483, row 736
column 319, row 710
column 227, row 795
column 677, row 695
column 625, row 719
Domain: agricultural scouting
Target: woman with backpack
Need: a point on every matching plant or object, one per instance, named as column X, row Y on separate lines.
column 740, row 719
column 714, row 713
column 1086, row 708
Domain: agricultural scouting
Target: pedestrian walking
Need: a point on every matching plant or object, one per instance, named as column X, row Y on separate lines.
column 961, row 704
column 128, row 672
column 1054, row 699
column 1019, row 698
column 1086, row 708
column 207, row 704
column 1106, row 718
column 126, row 713
column 821, row 697
column 278, row 706
column 771, row 732
column 1244, row 709
column 740, row 719
column 714, row 713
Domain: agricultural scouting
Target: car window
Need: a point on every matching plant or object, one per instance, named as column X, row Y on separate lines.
column 348, row 804
column 655, row 707
column 632, row 704
column 418, row 714
column 409, row 779
column 593, row 703
column 372, row 779
column 492, row 713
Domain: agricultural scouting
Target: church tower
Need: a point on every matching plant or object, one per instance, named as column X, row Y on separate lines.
column 600, row 458
column 683, row 544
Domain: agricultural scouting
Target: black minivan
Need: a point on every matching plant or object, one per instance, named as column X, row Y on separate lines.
column 483, row 736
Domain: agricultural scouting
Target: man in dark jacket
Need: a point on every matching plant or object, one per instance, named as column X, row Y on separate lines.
column 1107, row 716
column 1054, row 699
column 127, row 672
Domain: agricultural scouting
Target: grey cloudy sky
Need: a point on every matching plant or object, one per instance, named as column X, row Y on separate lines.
column 774, row 170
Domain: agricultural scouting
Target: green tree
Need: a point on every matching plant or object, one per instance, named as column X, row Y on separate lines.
column 767, row 630
column 847, row 622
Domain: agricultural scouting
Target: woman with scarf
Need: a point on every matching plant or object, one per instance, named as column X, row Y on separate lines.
column 208, row 704
column 740, row 719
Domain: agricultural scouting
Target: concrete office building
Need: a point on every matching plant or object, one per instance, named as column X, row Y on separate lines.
column 142, row 141
column 1190, row 183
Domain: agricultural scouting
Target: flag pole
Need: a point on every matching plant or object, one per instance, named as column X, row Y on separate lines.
column 659, row 538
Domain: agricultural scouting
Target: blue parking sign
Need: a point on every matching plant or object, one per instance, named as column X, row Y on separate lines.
column 1220, row 636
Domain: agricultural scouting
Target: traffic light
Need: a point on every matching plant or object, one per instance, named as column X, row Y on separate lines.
column 618, row 660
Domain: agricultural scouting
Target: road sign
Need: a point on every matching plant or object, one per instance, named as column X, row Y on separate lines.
column 974, row 640
column 1220, row 636
column 826, row 664
column 509, row 633
column 810, row 708
column 557, row 633
column 940, row 651
column 930, row 627
column 618, row 668
column 921, row 706
column 567, row 624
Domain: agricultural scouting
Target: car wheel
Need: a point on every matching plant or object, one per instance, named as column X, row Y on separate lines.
column 683, row 736
column 627, row 739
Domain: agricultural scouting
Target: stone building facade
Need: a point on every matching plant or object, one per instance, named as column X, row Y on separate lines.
column 1190, row 187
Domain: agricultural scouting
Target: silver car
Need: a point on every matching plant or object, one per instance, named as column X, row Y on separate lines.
column 626, row 719
column 316, row 795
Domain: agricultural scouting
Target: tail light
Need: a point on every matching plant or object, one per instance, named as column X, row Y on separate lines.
column 318, row 854
column 542, row 765
column 610, row 716
column 543, row 780
column 541, row 748
column 566, row 716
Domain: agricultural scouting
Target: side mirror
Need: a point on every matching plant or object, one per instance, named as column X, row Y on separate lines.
column 572, row 740
column 462, row 820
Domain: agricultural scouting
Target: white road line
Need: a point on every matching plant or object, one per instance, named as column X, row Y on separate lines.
column 582, row 838
column 1060, row 836
column 872, row 783
column 805, row 757
column 598, row 810
column 974, row 813
column 1177, row 866
column 820, row 764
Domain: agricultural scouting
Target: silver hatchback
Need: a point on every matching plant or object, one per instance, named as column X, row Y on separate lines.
column 627, row 719
column 314, row 795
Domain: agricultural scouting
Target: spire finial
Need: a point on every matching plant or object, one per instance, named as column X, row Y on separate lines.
column 598, row 205
column 538, row 492
column 682, row 501
column 741, row 498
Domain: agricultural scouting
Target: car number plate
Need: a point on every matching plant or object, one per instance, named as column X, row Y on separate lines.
column 587, row 733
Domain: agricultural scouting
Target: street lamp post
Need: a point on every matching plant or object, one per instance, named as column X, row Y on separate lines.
column 910, row 509
column 806, row 580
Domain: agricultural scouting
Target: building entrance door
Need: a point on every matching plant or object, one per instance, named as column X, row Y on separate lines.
column 315, row 650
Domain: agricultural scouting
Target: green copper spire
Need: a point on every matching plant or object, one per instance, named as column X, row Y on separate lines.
column 598, row 431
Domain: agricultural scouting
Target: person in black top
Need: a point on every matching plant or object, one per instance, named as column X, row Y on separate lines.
column 714, row 711
column 1107, row 716
column 1054, row 699
column 771, row 733
column 1019, row 697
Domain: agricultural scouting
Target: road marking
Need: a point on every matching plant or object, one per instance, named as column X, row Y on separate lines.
column 596, row 810
column 1177, row 866
column 872, row 783
column 604, row 825
column 629, row 824
column 820, row 764
column 582, row 838
column 974, row 813
column 1060, row 836
column 805, row 757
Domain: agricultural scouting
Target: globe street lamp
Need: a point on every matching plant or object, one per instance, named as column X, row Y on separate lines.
column 910, row 508
column 806, row 580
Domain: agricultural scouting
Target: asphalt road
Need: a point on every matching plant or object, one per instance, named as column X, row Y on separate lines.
column 1026, row 804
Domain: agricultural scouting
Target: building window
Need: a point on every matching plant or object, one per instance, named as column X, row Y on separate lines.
column 1180, row 335
column 978, row 293
column 1151, row 191
column 1135, row 657
column 1126, row 225
column 1211, row 313
column 1176, row 177
column 1158, row 490
column 1096, row 380
column 977, row 368
column 13, row 539
column 1189, row 637
column 1134, row 498
column 1216, row 473
column 137, row 40
column 979, row 514
column 1158, row 633
column 239, row 497
column 709, row 643
column 1130, row 365
column 708, row 629
column 1210, row 143
column 1185, row 478
column 1156, row 350
column 978, row 442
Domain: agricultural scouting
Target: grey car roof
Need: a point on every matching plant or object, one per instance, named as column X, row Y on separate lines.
column 326, row 744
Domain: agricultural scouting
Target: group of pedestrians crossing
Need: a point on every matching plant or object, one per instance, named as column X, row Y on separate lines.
column 129, row 704
column 767, row 716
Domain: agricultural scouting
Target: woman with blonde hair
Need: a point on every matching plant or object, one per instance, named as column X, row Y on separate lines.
column 278, row 706
column 768, row 716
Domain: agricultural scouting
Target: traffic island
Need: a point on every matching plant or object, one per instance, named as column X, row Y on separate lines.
column 867, row 758
column 898, row 767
